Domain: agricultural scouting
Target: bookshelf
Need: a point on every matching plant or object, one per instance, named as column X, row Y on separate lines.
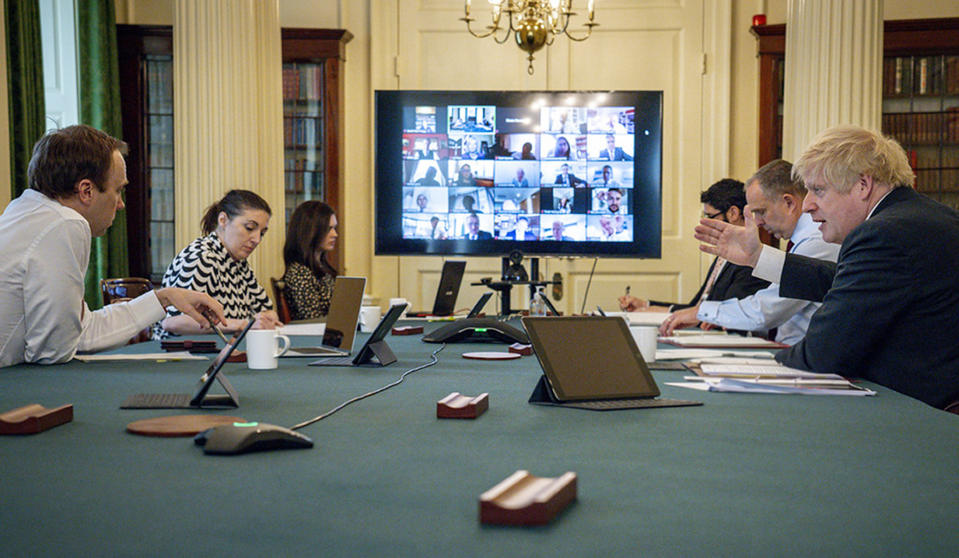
column 145, row 58
column 312, row 122
column 920, row 91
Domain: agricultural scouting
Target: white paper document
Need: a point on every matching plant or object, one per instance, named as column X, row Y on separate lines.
column 175, row 355
column 711, row 354
column 797, row 387
column 707, row 340
column 751, row 369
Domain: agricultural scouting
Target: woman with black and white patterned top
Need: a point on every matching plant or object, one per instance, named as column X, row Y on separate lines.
column 216, row 264
column 309, row 277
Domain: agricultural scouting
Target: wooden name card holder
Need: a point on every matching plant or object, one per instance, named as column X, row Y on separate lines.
column 457, row 406
column 522, row 499
column 521, row 349
column 407, row 330
column 34, row 418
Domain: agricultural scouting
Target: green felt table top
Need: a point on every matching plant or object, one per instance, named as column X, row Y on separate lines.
column 740, row 475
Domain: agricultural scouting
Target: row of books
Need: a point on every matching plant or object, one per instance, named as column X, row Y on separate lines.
column 159, row 86
column 302, row 81
column 923, row 127
column 303, row 175
column 920, row 75
column 929, row 181
column 302, row 132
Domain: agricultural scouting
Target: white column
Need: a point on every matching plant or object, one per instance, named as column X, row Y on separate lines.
column 833, row 68
column 228, row 115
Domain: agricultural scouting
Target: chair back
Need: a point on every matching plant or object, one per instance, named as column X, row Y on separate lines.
column 282, row 307
column 124, row 289
column 113, row 290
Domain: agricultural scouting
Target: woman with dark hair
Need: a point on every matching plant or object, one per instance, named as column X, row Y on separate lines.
column 216, row 264
column 309, row 277
column 562, row 149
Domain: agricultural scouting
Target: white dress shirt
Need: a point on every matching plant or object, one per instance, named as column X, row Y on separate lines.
column 765, row 309
column 44, row 253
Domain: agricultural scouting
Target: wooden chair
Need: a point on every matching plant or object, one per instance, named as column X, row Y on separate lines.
column 282, row 306
column 123, row 289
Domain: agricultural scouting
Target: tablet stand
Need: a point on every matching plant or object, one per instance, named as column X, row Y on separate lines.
column 384, row 355
column 543, row 394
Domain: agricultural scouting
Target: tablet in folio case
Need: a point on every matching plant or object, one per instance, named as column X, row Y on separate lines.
column 592, row 362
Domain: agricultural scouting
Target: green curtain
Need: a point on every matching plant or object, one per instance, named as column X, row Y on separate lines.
column 99, row 104
column 24, row 86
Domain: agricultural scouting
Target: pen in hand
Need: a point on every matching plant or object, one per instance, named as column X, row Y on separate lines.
column 209, row 316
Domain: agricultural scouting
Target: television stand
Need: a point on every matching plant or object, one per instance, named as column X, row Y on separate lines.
column 505, row 288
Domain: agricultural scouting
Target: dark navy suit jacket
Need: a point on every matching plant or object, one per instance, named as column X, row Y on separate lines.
column 734, row 281
column 890, row 310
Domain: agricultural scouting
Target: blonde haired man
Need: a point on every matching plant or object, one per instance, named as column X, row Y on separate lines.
column 889, row 311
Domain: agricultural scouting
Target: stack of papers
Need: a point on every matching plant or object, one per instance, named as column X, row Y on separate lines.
column 712, row 354
column 712, row 341
column 744, row 375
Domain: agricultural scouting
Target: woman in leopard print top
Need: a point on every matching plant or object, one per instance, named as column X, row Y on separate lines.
column 309, row 276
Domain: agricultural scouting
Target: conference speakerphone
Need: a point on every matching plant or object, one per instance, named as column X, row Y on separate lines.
column 477, row 330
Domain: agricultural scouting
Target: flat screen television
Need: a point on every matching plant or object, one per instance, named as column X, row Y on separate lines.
column 485, row 173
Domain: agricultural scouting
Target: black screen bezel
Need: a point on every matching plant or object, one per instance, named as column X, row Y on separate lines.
column 646, row 202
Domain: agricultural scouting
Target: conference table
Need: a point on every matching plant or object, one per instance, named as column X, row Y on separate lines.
column 744, row 474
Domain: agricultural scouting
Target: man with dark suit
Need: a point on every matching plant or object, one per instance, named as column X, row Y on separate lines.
column 889, row 311
column 613, row 153
column 724, row 280
column 567, row 179
column 473, row 231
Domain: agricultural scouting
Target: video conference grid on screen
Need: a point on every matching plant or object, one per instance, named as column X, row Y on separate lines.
column 478, row 172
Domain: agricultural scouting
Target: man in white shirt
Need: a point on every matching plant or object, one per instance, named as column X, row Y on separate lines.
column 775, row 201
column 77, row 176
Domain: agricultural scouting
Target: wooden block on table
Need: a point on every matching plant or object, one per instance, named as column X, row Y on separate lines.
column 458, row 406
column 521, row 349
column 522, row 499
column 407, row 330
column 237, row 356
column 34, row 418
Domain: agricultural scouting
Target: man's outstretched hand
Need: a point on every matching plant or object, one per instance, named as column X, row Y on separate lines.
column 739, row 245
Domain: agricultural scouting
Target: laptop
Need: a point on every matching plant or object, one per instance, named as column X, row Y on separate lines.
column 592, row 362
column 200, row 399
column 480, row 304
column 375, row 346
column 449, row 288
column 340, row 321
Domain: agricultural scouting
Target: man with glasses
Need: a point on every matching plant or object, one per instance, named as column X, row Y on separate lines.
column 723, row 200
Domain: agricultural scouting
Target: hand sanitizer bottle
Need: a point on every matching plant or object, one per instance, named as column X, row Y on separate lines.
column 537, row 306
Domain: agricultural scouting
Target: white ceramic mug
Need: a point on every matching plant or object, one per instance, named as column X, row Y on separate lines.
column 369, row 317
column 395, row 301
column 263, row 348
column 646, row 338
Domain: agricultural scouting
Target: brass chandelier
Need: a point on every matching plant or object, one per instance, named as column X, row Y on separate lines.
column 533, row 23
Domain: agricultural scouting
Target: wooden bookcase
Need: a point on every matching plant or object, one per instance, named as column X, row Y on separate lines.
column 312, row 74
column 920, row 98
